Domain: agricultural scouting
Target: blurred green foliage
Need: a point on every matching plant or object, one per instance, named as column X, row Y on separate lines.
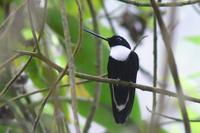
column 41, row 76
column 193, row 39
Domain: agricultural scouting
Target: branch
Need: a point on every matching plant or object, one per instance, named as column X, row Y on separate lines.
column 172, row 65
column 40, row 91
column 172, row 118
column 32, row 26
column 153, row 123
column 9, row 84
column 80, row 37
column 163, row 4
column 9, row 61
column 43, row 21
column 71, row 68
column 107, row 15
column 17, row 115
column 3, row 24
column 98, row 68
column 108, row 80
column 52, row 89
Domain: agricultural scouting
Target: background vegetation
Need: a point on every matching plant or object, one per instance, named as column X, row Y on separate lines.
column 53, row 75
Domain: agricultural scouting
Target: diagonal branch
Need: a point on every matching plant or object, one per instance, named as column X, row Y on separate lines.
column 8, row 61
column 52, row 89
column 107, row 15
column 9, row 84
column 172, row 118
column 71, row 68
column 32, row 26
column 172, row 65
column 98, row 67
column 107, row 80
column 80, row 37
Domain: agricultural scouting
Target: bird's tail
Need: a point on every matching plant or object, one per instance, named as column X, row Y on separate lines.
column 122, row 102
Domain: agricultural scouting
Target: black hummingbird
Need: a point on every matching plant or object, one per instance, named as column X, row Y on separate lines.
column 123, row 64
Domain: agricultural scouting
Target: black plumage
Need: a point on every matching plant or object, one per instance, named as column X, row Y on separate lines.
column 121, row 95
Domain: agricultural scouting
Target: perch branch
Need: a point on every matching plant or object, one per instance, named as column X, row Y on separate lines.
column 108, row 80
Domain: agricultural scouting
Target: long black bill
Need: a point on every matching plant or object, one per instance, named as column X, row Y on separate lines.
column 95, row 34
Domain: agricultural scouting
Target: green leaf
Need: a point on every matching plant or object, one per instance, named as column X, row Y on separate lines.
column 136, row 115
column 54, row 21
column 34, row 72
column 1, row 15
column 194, row 75
column 49, row 75
column 27, row 34
column 48, row 109
column 193, row 114
column 3, row 129
column 190, row 87
column 193, row 39
column 42, row 75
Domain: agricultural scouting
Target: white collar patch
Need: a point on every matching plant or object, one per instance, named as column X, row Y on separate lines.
column 119, row 52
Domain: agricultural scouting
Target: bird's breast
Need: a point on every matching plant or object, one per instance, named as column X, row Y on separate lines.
column 119, row 53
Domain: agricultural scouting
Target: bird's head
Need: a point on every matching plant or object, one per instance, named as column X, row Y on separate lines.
column 115, row 40
column 118, row 41
column 119, row 47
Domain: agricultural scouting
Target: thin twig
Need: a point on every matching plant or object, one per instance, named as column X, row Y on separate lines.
column 152, row 127
column 108, row 17
column 163, row 4
column 32, row 26
column 165, row 72
column 172, row 65
column 14, row 57
column 17, row 115
column 112, row 12
column 196, row 9
column 41, row 32
column 71, row 64
column 40, row 91
column 9, row 84
column 172, row 118
column 12, row 14
column 80, row 37
column 52, row 89
column 98, row 68
column 54, row 86
column 108, row 80
column 139, row 42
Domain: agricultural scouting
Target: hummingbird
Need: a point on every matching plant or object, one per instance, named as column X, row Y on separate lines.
column 123, row 64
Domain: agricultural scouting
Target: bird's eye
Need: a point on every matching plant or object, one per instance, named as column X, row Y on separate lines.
column 119, row 39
